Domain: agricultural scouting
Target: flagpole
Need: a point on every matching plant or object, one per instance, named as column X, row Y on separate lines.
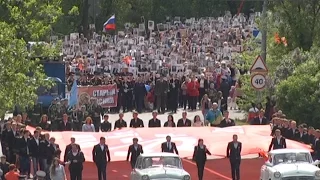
column 264, row 31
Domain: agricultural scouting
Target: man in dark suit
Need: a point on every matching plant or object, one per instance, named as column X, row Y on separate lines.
column 292, row 130
column 120, row 123
column 260, row 120
column 135, row 150
column 278, row 142
column 136, row 122
column 101, row 155
column 154, row 122
column 24, row 153
column 226, row 122
column 160, row 91
column 316, row 146
column 69, row 148
column 34, row 148
column 184, row 121
column 53, row 150
column 169, row 146
column 301, row 136
column 11, row 138
column 234, row 155
column 311, row 135
column 64, row 125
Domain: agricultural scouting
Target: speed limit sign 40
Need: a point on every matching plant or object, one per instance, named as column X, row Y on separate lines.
column 258, row 81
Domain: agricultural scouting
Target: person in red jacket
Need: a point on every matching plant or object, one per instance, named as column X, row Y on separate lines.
column 193, row 92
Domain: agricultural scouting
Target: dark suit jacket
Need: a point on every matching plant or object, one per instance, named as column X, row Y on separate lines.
column 234, row 153
column 101, row 156
column 23, row 146
column 311, row 138
column 134, row 153
column 120, row 124
column 64, row 127
column 224, row 123
column 256, row 121
column 316, row 149
column 165, row 148
column 68, row 149
column 105, row 126
column 52, row 152
column 34, row 148
column 303, row 138
column 200, row 155
column 186, row 124
column 278, row 145
column 136, row 123
column 154, row 123
column 291, row 133
column 161, row 87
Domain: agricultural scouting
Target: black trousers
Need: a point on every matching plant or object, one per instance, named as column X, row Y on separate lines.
column 75, row 173
column 193, row 102
column 200, row 166
column 133, row 163
column 184, row 101
column 102, row 171
column 96, row 123
column 235, row 169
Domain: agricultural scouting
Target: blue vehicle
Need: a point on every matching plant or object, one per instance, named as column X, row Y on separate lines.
column 56, row 72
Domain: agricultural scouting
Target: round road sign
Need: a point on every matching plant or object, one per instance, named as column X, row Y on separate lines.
column 258, row 81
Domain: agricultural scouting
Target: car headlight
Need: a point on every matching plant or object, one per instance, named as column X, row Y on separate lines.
column 317, row 173
column 277, row 174
column 186, row 177
column 145, row 177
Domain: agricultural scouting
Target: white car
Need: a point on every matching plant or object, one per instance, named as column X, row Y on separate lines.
column 290, row 164
column 159, row 166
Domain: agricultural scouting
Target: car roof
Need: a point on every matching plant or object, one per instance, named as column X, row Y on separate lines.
column 158, row 154
column 283, row 151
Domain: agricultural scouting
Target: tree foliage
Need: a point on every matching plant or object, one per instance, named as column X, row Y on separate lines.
column 17, row 87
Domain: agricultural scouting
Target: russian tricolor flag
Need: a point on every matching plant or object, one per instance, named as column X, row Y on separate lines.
column 110, row 24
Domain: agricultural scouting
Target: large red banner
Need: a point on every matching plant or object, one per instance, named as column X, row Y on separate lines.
column 253, row 138
column 106, row 95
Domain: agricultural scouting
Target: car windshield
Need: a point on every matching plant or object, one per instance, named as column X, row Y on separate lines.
column 291, row 158
column 151, row 162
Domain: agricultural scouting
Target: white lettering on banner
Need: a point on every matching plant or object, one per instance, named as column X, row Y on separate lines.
column 104, row 92
column 236, row 130
column 184, row 142
column 109, row 100
column 125, row 137
column 86, row 141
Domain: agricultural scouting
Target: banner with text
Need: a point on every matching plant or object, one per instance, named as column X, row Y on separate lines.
column 106, row 95
column 253, row 138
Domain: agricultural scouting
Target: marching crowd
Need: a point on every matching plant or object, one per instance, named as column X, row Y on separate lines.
column 127, row 60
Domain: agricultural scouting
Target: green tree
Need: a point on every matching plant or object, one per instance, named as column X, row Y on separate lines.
column 19, row 76
column 299, row 95
column 33, row 19
column 299, row 21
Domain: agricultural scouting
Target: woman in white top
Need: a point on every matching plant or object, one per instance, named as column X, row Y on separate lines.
column 57, row 170
column 197, row 121
column 88, row 126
